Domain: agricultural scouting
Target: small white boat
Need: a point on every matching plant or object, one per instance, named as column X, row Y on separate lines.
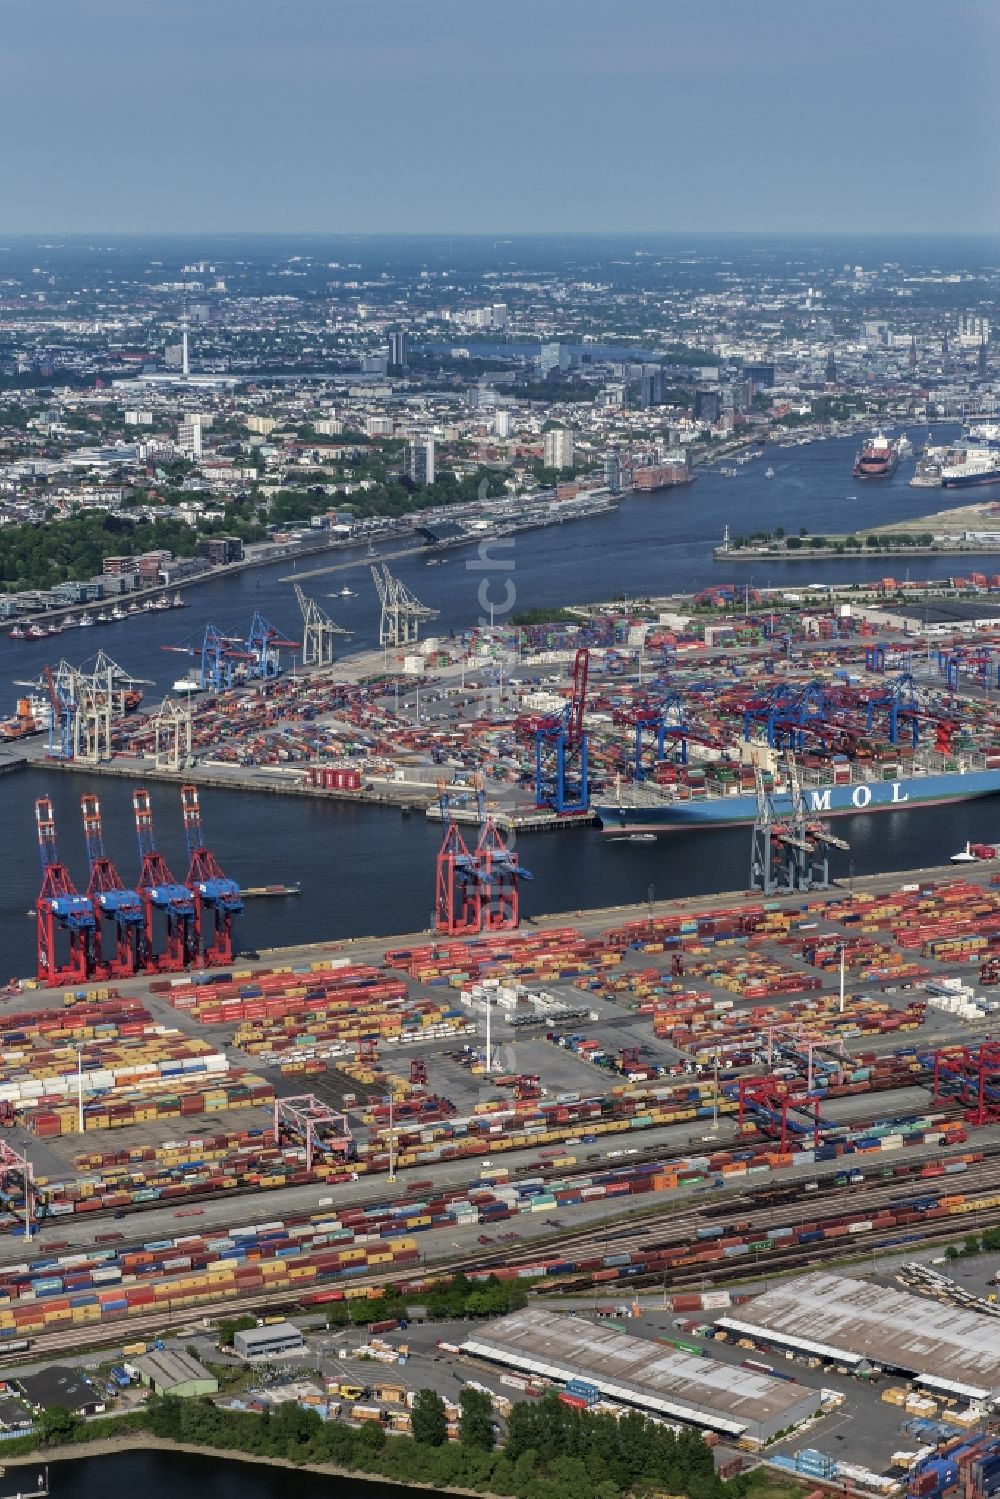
column 964, row 856
column 186, row 685
column 347, row 593
column 769, row 473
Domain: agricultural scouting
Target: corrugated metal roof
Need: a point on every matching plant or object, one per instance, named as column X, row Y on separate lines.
column 644, row 1373
column 168, row 1367
column 837, row 1314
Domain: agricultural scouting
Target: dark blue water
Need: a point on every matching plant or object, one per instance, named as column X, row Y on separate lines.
column 165, row 1475
column 366, row 870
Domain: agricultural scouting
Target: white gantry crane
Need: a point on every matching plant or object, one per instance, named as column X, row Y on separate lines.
column 318, row 631
column 401, row 610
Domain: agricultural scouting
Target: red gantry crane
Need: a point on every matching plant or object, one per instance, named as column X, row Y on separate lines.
column 109, row 898
column 161, row 892
column 60, row 906
column 458, row 890
column 217, row 899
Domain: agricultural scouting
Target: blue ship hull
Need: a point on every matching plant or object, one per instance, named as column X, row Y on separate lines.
column 905, row 795
column 961, row 481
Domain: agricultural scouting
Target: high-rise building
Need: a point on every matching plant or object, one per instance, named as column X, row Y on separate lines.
column 397, row 349
column 502, row 423
column 499, row 314
column 645, row 385
column 613, row 470
column 189, row 434
column 983, row 359
column 706, row 406
column 420, row 461
column 913, row 355
column 973, row 329
column 762, row 375
column 557, row 446
column 553, row 359
column 831, row 368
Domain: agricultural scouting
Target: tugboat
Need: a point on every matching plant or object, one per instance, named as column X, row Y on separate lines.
column 877, row 459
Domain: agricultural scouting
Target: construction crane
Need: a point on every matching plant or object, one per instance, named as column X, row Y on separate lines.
column 161, row 892
column 60, row 905
column 402, row 611
column 318, row 631
column 108, row 896
column 561, row 780
column 213, row 891
column 458, row 886
column 264, row 644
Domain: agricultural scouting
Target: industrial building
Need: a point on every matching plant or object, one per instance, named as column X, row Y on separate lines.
column 855, row 1322
column 663, row 1381
column 269, row 1342
column 66, row 1388
column 175, row 1373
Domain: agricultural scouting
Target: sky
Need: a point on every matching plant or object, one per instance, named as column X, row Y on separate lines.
column 555, row 116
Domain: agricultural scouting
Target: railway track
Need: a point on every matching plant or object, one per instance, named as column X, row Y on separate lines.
column 796, row 1257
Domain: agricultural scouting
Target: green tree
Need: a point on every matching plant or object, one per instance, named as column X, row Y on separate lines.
column 56, row 1425
column 231, row 1326
column 475, row 1426
column 428, row 1421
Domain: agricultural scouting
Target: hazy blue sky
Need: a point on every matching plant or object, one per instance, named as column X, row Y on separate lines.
column 458, row 115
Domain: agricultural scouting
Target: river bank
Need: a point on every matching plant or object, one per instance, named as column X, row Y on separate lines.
column 144, row 1442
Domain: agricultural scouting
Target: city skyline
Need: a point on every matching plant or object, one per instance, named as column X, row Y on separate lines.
column 340, row 118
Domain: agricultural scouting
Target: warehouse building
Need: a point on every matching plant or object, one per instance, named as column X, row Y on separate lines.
column 649, row 1376
column 269, row 1342
column 855, row 1322
column 175, row 1373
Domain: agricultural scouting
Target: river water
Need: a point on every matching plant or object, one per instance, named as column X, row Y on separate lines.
column 366, row 870
column 166, row 1475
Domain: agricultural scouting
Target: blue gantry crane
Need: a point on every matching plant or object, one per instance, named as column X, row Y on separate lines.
column 560, row 739
column 263, row 645
column 161, row 892
column 60, row 906
column 109, row 897
column 217, row 898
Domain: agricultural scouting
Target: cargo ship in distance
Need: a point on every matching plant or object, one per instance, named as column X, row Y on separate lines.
column 645, row 808
column 970, row 466
column 877, row 460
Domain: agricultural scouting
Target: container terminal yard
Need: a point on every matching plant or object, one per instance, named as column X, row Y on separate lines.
column 673, row 1106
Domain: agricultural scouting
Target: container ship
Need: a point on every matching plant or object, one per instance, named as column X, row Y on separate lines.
column 877, row 459
column 969, row 466
column 703, row 800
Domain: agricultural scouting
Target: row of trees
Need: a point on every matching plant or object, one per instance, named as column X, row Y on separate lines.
column 872, row 543
column 551, row 1450
column 445, row 1301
